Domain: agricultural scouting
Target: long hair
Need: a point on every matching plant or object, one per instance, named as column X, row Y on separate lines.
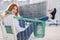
column 12, row 6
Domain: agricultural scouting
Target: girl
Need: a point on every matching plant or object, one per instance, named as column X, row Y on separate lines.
column 9, row 20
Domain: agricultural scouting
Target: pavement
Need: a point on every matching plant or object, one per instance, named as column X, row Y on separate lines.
column 51, row 33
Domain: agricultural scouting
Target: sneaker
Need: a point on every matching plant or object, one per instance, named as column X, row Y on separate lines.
column 53, row 13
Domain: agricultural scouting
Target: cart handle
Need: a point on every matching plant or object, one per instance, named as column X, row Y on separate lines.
column 28, row 19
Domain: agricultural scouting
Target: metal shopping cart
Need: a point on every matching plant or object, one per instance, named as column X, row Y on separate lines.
column 36, row 26
column 31, row 23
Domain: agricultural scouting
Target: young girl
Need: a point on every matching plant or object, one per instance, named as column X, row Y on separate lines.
column 9, row 20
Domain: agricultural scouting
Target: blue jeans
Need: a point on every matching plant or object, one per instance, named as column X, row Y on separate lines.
column 24, row 35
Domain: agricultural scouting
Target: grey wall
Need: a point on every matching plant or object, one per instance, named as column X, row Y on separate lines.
column 36, row 10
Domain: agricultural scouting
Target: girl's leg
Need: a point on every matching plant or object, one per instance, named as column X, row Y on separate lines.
column 24, row 35
column 44, row 18
column 22, row 23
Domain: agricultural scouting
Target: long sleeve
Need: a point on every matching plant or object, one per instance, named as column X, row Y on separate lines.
column 10, row 21
column 17, row 26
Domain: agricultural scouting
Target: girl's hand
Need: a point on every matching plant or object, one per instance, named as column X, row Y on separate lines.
column 3, row 15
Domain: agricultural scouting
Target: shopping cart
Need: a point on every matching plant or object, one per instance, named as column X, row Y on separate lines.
column 36, row 26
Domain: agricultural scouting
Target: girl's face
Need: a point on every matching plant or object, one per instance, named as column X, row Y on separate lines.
column 14, row 10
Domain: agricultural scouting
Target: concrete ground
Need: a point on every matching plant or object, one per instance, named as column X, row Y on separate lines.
column 51, row 33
